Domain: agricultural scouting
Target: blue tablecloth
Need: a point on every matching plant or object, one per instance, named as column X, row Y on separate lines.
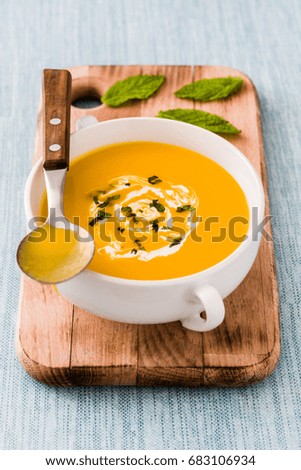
column 261, row 38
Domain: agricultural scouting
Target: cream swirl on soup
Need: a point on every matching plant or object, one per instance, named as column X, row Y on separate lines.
column 142, row 217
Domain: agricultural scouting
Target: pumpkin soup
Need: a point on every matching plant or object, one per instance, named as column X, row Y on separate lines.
column 156, row 211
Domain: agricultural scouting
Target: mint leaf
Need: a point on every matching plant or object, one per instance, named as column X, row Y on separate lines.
column 174, row 241
column 154, row 180
column 210, row 89
column 211, row 122
column 138, row 87
column 157, row 205
column 185, row 208
column 101, row 215
column 155, row 225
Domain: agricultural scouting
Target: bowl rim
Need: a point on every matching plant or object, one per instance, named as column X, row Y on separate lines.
column 200, row 275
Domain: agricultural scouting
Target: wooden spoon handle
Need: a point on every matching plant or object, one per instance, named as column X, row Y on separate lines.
column 56, row 106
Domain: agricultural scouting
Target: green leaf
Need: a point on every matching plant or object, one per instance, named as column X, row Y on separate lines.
column 138, row 87
column 127, row 210
column 185, row 208
column 101, row 215
column 105, row 203
column 154, row 180
column 210, row 89
column 155, row 225
column 211, row 122
column 174, row 241
column 157, row 205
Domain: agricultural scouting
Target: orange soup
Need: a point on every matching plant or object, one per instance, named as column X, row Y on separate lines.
column 156, row 211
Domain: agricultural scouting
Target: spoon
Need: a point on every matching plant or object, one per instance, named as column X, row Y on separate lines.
column 57, row 250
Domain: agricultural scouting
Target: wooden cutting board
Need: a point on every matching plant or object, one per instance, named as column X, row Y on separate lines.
column 60, row 344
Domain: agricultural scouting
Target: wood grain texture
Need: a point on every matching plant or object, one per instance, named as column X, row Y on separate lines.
column 60, row 344
column 57, row 102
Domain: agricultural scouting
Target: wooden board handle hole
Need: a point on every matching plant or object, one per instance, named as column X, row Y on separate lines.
column 85, row 94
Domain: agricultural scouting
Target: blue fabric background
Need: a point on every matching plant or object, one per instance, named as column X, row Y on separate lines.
column 260, row 37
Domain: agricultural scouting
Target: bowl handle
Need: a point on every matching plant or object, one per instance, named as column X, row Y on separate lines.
column 212, row 304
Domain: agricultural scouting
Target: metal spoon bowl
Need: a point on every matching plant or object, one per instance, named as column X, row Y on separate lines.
column 57, row 250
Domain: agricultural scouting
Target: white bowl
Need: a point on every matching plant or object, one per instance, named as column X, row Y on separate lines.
column 182, row 298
